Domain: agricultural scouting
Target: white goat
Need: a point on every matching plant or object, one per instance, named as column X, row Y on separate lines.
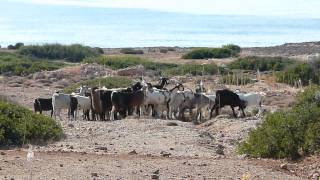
column 60, row 101
column 84, row 103
column 253, row 99
column 158, row 98
column 176, row 102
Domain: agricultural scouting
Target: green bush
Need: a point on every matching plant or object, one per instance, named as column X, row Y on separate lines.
column 234, row 48
column 108, row 82
column 19, row 125
column 72, row 53
column 302, row 71
column 287, row 134
column 261, row 63
column 205, row 53
column 16, row 46
column 14, row 64
column 130, row 51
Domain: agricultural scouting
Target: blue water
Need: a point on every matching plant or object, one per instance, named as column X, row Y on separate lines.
column 107, row 27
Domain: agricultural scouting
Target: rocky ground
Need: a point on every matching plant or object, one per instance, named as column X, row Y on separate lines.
column 149, row 148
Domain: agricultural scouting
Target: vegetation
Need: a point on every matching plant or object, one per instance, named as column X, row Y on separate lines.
column 205, row 53
column 299, row 71
column 72, row 53
column 119, row 62
column 16, row 46
column 235, row 48
column 236, row 79
column 288, row 134
column 261, row 63
column 193, row 69
column 19, row 125
column 15, row 64
column 108, row 82
column 130, row 51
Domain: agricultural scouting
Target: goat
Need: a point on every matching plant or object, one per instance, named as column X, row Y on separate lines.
column 252, row 99
column 60, row 101
column 124, row 102
column 80, row 102
column 43, row 104
column 226, row 97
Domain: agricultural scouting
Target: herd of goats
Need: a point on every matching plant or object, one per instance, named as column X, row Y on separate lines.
column 143, row 98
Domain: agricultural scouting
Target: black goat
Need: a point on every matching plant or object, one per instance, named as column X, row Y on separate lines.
column 226, row 97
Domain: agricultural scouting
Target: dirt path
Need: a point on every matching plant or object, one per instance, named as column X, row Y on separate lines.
column 89, row 166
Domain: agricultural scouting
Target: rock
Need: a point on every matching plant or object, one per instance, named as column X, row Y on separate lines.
column 71, row 125
column 102, row 148
column 156, row 172
column 154, row 176
column 220, row 149
column 133, row 152
column 3, row 153
column 131, row 71
column 315, row 176
column 172, row 124
column 70, row 147
column 165, row 154
column 94, row 174
column 284, row 166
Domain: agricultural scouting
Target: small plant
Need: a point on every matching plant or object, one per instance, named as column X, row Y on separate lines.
column 131, row 51
column 205, row 53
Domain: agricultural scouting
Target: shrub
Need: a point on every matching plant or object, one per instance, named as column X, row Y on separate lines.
column 14, row 64
column 287, row 134
column 16, row 46
column 108, row 82
column 120, row 62
column 11, row 47
column 302, row 71
column 261, row 63
column 163, row 51
column 130, row 51
column 234, row 48
column 72, row 53
column 205, row 53
column 19, row 125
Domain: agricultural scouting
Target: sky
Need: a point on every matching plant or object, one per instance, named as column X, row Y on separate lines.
column 290, row 8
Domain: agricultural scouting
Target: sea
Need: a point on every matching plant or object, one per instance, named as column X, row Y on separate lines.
column 116, row 27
